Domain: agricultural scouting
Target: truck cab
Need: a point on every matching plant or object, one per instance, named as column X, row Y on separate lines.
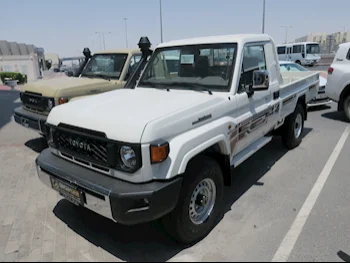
column 166, row 148
column 104, row 71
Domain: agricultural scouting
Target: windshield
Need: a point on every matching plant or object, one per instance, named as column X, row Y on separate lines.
column 105, row 65
column 188, row 67
column 312, row 49
column 290, row 67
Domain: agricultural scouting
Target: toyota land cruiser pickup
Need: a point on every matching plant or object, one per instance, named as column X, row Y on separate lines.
column 105, row 71
column 165, row 149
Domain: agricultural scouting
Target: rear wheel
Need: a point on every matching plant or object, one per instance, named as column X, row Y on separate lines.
column 199, row 204
column 298, row 62
column 346, row 106
column 293, row 128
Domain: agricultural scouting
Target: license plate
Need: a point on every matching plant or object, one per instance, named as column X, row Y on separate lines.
column 69, row 192
column 25, row 122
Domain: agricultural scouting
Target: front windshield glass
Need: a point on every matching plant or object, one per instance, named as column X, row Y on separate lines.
column 207, row 67
column 105, row 66
column 312, row 49
column 290, row 67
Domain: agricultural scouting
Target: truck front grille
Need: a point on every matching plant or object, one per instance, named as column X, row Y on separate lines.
column 81, row 146
column 34, row 101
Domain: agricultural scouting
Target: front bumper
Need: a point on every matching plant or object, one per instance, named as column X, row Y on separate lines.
column 30, row 120
column 123, row 202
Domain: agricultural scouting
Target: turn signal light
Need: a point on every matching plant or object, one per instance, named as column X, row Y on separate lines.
column 62, row 101
column 330, row 70
column 159, row 152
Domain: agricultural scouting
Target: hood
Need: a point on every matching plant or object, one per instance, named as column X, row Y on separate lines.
column 123, row 114
column 64, row 86
column 323, row 81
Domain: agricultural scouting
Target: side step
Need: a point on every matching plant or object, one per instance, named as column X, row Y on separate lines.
column 249, row 151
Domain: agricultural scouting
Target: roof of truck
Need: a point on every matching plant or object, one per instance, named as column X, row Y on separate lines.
column 119, row 51
column 217, row 39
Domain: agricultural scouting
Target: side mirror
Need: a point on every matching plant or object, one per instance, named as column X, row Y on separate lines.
column 261, row 80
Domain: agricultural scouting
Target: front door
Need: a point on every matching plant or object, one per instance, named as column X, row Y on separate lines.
column 251, row 110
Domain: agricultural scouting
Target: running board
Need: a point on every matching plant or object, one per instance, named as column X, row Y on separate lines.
column 249, row 151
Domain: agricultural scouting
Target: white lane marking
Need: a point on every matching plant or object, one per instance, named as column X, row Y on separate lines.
column 290, row 239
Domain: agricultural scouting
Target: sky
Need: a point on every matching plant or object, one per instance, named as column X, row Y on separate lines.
column 65, row 27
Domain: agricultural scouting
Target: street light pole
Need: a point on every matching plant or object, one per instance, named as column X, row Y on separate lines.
column 126, row 31
column 161, row 21
column 287, row 32
column 103, row 38
column 263, row 23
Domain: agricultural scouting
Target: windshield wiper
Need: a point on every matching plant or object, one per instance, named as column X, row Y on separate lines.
column 192, row 86
column 92, row 76
column 154, row 85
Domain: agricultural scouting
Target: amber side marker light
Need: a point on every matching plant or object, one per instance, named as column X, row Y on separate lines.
column 62, row 101
column 159, row 152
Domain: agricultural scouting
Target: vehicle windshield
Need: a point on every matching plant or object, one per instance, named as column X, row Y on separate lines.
column 312, row 49
column 105, row 66
column 291, row 67
column 209, row 67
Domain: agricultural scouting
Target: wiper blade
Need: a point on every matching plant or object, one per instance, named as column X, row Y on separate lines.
column 92, row 76
column 192, row 86
column 154, row 85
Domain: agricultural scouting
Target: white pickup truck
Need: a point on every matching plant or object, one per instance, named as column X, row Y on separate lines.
column 338, row 80
column 165, row 148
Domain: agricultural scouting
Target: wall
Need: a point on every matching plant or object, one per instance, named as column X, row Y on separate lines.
column 28, row 65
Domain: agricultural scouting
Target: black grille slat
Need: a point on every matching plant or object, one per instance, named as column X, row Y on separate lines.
column 84, row 147
column 35, row 101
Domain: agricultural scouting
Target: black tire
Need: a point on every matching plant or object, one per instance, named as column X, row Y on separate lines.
column 289, row 138
column 178, row 223
column 346, row 107
column 298, row 62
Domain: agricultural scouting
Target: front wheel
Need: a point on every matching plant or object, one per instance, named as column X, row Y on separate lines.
column 293, row 128
column 347, row 107
column 199, row 204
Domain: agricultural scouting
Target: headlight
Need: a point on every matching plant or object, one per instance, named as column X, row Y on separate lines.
column 128, row 157
column 50, row 104
column 49, row 135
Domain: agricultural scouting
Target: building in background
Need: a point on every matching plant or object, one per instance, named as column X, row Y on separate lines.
column 23, row 58
column 329, row 42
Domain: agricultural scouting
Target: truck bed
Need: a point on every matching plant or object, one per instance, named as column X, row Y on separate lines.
column 296, row 84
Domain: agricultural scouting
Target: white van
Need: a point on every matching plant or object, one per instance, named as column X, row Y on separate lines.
column 306, row 53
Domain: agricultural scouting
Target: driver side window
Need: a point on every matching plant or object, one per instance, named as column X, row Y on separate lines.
column 253, row 59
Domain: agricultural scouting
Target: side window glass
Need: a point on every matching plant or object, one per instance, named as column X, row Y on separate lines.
column 253, row 59
column 348, row 55
column 281, row 50
column 132, row 65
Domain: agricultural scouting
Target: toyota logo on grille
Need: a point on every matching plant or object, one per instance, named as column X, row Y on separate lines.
column 78, row 144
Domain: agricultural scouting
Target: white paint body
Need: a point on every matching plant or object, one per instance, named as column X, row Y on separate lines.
column 144, row 115
column 340, row 78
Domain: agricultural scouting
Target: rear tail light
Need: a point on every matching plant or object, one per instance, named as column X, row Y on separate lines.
column 330, row 70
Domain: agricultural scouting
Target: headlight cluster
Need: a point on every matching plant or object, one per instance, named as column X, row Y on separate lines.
column 128, row 158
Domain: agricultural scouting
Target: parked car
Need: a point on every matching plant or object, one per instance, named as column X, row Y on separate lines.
column 165, row 149
column 321, row 98
column 105, row 71
column 338, row 81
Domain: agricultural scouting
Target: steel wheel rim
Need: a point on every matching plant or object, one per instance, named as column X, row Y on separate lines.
column 202, row 201
column 298, row 125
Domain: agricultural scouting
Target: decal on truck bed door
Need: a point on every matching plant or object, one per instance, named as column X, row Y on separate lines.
column 250, row 125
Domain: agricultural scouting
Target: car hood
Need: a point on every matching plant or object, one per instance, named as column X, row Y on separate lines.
column 124, row 114
column 51, row 87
